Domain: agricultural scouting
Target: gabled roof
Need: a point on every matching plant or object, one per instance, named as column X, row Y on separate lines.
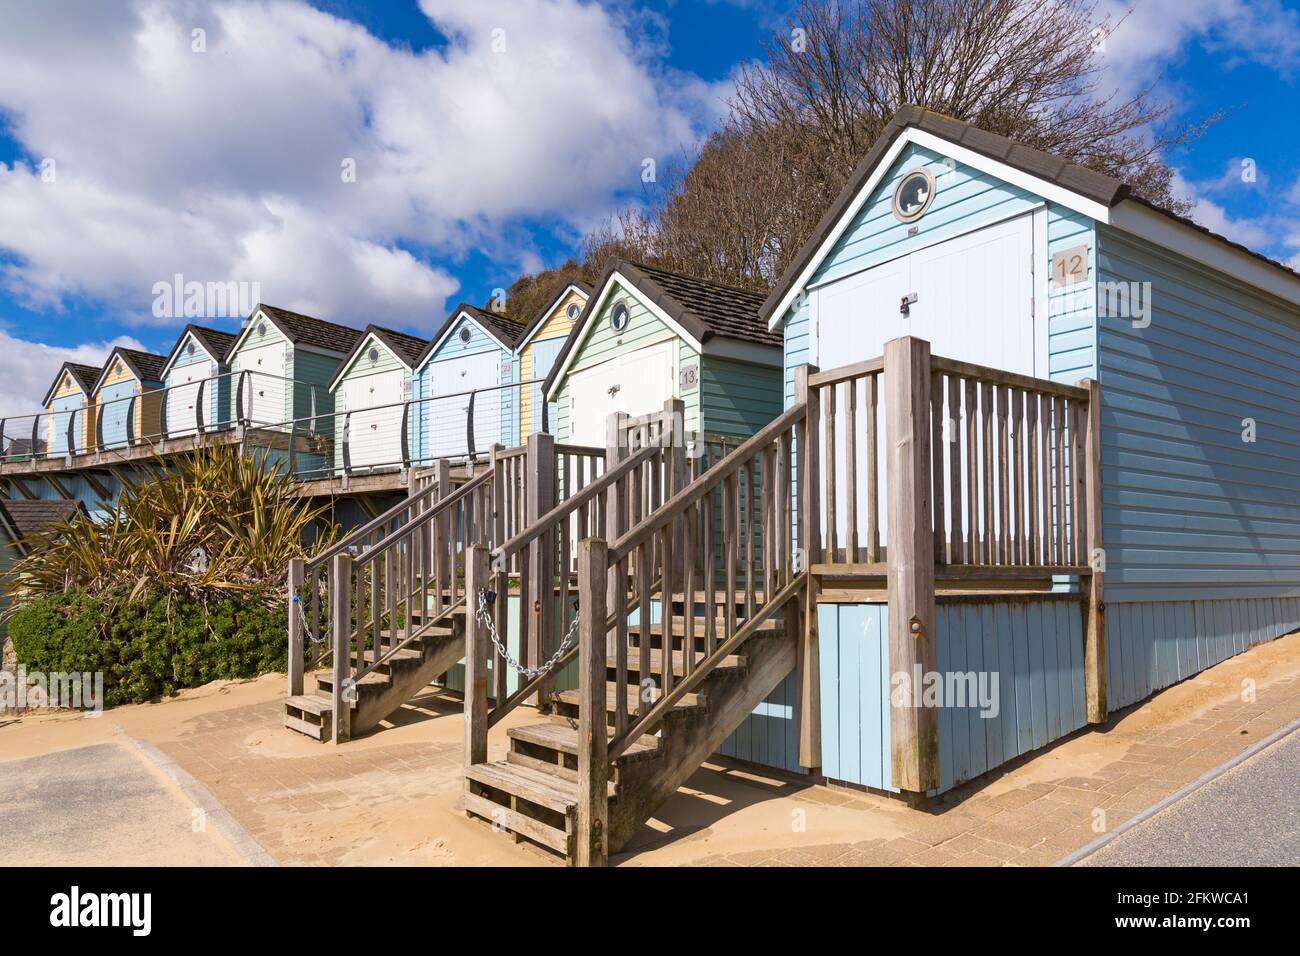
column 215, row 342
column 302, row 330
column 145, row 366
column 545, row 312
column 702, row 308
column 28, row 518
column 407, row 349
column 84, row 375
column 1096, row 192
column 506, row 331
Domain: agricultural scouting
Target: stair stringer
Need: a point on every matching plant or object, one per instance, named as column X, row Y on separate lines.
column 440, row 651
column 690, row 737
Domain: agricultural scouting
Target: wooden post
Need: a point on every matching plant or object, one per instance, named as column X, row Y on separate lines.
column 914, row 729
column 297, row 576
column 539, row 499
column 805, row 618
column 593, row 763
column 342, row 690
column 616, row 521
column 477, row 641
column 1094, row 648
column 810, row 518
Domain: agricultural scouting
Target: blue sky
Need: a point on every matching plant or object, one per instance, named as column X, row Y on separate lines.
column 486, row 136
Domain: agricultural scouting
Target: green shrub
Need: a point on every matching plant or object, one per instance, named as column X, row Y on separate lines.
column 151, row 645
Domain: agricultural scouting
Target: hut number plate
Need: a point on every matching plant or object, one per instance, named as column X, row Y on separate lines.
column 689, row 377
column 1069, row 267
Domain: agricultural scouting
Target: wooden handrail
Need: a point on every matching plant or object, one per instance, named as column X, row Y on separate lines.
column 998, row 377
column 373, row 524
column 651, row 718
column 441, row 505
column 573, row 503
column 674, row 507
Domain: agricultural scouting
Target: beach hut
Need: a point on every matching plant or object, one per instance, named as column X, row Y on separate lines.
column 1006, row 257
column 465, row 377
column 281, row 366
column 70, row 428
column 647, row 335
column 371, row 392
column 197, row 383
column 128, row 399
column 539, row 346
column 21, row 525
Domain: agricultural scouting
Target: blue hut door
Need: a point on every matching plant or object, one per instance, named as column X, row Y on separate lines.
column 449, row 421
column 545, row 353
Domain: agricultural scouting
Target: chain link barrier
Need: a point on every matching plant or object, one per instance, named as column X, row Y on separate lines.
column 483, row 615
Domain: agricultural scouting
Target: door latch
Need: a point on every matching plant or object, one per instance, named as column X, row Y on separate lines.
column 905, row 306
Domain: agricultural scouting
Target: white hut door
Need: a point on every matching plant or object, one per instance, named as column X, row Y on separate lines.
column 375, row 419
column 265, row 388
column 183, row 397
column 449, row 417
column 636, row 383
column 970, row 297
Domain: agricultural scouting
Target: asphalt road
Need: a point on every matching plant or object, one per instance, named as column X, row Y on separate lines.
column 99, row 805
column 1249, row 816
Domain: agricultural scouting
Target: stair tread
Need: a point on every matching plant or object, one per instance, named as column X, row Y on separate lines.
column 769, row 626
column 374, row 678
column 564, row 738
column 311, row 703
column 571, row 697
column 678, row 658
column 536, row 786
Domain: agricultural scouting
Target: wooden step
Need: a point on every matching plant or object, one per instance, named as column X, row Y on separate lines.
column 311, row 704
column 678, row 659
column 679, row 627
column 570, row 698
column 549, row 790
column 562, row 737
column 375, row 679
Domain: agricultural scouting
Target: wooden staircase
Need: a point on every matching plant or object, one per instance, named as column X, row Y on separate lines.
column 392, row 683
column 689, row 598
column 534, row 793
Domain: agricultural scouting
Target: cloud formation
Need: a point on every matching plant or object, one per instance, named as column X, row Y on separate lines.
column 229, row 153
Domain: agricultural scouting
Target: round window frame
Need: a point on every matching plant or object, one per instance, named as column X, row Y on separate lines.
column 929, row 179
column 464, row 334
column 573, row 311
column 373, row 354
column 613, row 313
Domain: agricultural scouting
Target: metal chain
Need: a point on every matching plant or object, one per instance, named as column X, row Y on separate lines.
column 302, row 620
column 484, row 616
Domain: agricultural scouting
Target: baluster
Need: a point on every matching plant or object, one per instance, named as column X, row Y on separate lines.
column 827, row 396
column 1033, row 555
column 1017, row 476
column 644, row 578
column 690, row 528
column 987, row 553
column 938, row 487
column 1003, row 553
column 873, row 471
column 1058, row 420
column 731, row 517
column 850, row 473
column 666, row 615
column 953, row 439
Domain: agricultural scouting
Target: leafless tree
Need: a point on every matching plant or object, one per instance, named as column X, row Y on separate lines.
column 804, row 117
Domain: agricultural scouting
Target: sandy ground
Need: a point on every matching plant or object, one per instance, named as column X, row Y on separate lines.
column 392, row 796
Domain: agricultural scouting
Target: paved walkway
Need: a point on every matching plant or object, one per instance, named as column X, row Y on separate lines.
column 393, row 796
column 1250, row 816
column 101, row 804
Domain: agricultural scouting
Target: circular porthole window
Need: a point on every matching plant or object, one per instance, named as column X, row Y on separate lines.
column 189, row 349
column 913, row 195
column 465, row 334
column 373, row 354
column 261, row 328
column 619, row 317
column 573, row 311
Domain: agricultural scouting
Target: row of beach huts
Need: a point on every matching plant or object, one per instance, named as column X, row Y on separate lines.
column 398, row 399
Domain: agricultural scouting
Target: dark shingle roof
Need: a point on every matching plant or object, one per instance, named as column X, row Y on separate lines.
column 545, row 310
column 307, row 330
column 1099, row 187
column 35, row 517
column 217, row 343
column 147, row 366
column 703, row 308
column 506, row 331
column 86, row 375
column 409, row 347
